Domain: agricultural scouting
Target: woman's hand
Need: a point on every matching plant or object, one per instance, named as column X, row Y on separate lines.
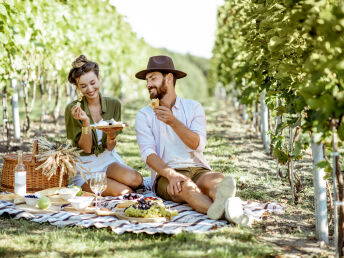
column 111, row 141
column 80, row 114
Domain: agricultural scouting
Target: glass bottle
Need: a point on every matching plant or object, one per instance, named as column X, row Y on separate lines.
column 20, row 175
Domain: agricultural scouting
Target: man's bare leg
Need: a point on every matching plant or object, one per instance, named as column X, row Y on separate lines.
column 219, row 188
column 193, row 196
column 208, row 183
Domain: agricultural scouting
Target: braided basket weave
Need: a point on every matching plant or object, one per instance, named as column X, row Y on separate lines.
column 35, row 180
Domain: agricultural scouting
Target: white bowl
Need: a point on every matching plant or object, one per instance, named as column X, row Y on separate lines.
column 81, row 202
column 31, row 201
column 68, row 193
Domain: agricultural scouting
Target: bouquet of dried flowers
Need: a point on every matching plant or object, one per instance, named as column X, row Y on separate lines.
column 59, row 156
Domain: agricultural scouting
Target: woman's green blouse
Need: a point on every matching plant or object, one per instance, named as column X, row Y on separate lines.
column 111, row 108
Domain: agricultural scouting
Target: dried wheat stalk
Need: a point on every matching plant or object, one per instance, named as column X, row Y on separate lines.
column 57, row 156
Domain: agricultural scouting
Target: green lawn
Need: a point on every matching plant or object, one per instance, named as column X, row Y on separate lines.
column 24, row 238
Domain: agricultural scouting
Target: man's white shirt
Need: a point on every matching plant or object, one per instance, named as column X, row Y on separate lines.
column 156, row 137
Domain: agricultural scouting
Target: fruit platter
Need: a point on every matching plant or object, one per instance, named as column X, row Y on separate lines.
column 149, row 209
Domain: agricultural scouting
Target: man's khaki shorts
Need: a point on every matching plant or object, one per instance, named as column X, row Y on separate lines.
column 191, row 172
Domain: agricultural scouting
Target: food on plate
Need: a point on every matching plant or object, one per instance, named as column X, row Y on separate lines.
column 154, row 103
column 149, row 209
column 125, row 204
column 44, row 203
column 132, row 196
column 108, row 124
column 49, row 191
column 10, row 196
column 19, row 200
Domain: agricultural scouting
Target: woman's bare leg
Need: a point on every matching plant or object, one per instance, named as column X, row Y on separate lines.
column 124, row 175
column 113, row 188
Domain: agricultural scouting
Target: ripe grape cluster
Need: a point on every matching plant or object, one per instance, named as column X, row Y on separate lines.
column 143, row 205
column 131, row 196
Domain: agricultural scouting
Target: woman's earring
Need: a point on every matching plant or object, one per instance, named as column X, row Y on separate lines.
column 79, row 95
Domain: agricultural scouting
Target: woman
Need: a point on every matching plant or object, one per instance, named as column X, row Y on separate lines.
column 98, row 146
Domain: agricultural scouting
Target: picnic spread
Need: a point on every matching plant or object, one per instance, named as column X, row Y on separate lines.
column 187, row 219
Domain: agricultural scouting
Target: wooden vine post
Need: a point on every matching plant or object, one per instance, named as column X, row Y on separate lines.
column 338, row 195
column 264, row 120
column 320, row 197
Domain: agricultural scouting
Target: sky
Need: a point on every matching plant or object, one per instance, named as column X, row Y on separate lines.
column 184, row 26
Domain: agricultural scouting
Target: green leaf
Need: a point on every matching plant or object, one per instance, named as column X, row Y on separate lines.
column 325, row 165
column 3, row 10
column 340, row 131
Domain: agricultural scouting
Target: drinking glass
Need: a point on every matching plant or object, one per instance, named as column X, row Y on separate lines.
column 98, row 183
column 103, row 183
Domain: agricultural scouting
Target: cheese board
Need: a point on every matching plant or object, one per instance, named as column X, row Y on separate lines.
column 88, row 210
column 120, row 214
column 36, row 210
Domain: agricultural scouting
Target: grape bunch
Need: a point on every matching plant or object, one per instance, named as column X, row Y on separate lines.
column 143, row 205
column 131, row 196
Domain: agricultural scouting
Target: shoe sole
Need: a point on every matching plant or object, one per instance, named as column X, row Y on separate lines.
column 234, row 212
column 225, row 190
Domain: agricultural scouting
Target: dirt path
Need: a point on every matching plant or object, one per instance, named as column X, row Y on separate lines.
column 294, row 231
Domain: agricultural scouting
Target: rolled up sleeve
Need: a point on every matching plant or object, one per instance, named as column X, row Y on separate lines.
column 73, row 127
column 199, row 126
column 144, row 135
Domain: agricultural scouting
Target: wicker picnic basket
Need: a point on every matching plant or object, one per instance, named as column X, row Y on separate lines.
column 35, row 180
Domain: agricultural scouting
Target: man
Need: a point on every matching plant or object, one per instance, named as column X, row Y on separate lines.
column 172, row 138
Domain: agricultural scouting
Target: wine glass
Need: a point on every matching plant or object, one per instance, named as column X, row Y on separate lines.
column 103, row 183
column 98, row 183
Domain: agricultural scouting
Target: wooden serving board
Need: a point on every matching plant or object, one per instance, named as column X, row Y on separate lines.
column 36, row 210
column 88, row 210
column 117, row 127
column 56, row 200
column 119, row 213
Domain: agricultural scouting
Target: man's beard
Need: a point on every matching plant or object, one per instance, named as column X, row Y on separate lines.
column 161, row 91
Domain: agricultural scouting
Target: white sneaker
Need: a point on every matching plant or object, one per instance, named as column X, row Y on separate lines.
column 226, row 189
column 234, row 212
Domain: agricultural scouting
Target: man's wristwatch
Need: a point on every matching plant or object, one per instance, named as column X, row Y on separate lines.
column 85, row 130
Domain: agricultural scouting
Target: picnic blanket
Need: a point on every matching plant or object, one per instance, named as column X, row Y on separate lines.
column 187, row 220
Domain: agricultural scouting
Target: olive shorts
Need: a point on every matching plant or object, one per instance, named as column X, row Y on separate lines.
column 193, row 173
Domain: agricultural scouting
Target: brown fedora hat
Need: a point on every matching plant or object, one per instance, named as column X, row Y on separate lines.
column 160, row 64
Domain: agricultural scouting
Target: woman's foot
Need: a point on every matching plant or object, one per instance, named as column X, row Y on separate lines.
column 234, row 212
column 226, row 189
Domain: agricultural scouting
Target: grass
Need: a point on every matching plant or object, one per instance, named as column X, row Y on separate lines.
column 30, row 239
column 25, row 238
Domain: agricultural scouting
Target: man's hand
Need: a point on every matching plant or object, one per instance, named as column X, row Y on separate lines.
column 176, row 180
column 164, row 114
